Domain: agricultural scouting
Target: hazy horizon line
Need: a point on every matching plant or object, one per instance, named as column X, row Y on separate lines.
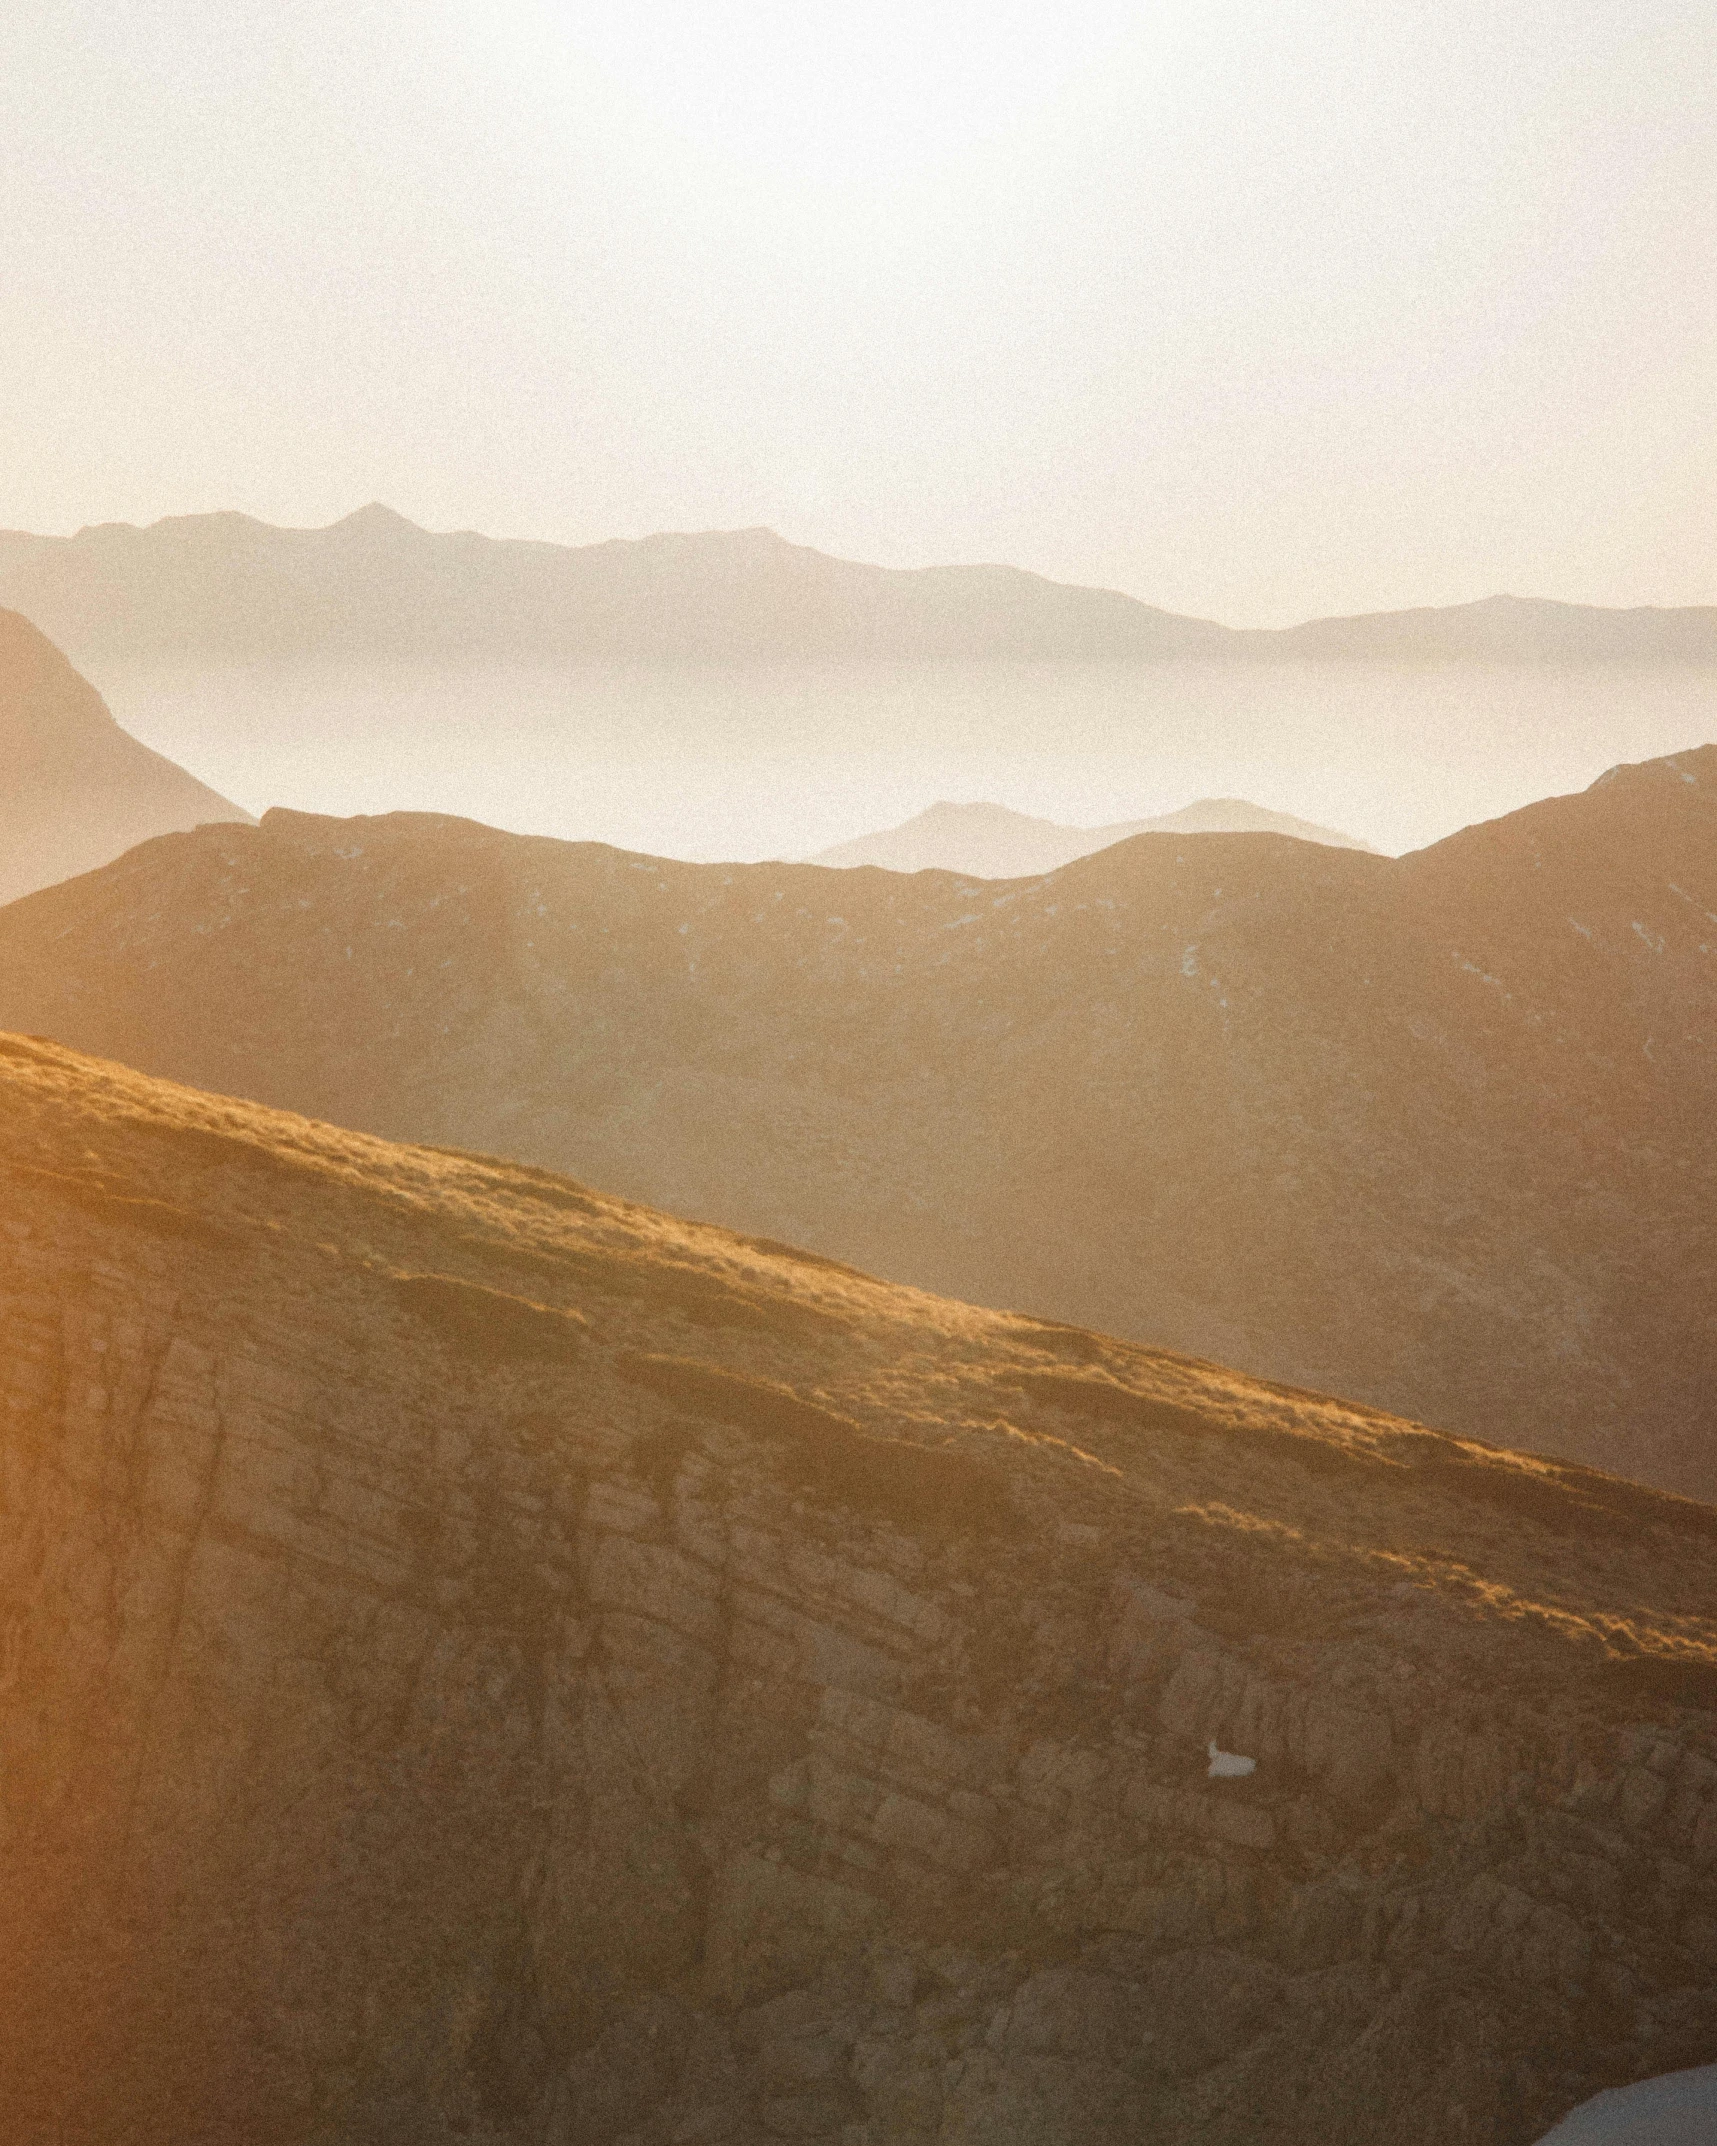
column 380, row 512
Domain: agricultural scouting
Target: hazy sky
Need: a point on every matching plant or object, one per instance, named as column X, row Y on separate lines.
column 1254, row 308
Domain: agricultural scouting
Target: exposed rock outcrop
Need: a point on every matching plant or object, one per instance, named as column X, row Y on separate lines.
column 479, row 1660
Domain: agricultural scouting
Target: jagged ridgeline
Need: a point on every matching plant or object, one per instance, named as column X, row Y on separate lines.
column 486, row 1661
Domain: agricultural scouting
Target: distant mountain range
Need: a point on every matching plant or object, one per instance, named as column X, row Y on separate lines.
column 375, row 588
column 991, row 842
column 1436, row 1131
column 75, row 789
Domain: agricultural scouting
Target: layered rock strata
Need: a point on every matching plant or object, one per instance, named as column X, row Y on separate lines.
column 483, row 1661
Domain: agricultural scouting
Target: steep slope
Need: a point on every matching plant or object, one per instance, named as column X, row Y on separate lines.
column 486, row 1662
column 991, row 842
column 220, row 588
column 77, row 791
column 1436, row 1131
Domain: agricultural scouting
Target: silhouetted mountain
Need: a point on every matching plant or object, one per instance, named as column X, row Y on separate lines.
column 376, row 588
column 221, row 587
column 990, row 842
column 1510, row 629
column 76, row 790
column 487, row 1662
column 1439, row 1131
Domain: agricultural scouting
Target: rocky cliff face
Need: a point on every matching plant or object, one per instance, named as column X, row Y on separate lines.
column 482, row 1661
column 78, row 790
column 1435, row 1131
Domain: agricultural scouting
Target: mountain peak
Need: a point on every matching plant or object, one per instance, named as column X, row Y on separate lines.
column 989, row 841
column 1696, row 767
column 946, row 808
column 378, row 520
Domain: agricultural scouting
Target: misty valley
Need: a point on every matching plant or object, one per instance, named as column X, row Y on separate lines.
column 786, row 760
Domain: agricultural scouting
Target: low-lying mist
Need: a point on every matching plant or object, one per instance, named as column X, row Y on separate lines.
column 782, row 760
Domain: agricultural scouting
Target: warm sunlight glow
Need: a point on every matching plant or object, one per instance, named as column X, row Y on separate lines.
column 1257, row 313
column 858, row 1072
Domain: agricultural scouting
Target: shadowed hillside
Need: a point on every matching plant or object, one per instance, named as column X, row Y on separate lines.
column 75, row 789
column 990, row 842
column 484, row 1661
column 1435, row 1131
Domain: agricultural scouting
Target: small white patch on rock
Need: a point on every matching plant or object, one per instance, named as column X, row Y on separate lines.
column 1229, row 1765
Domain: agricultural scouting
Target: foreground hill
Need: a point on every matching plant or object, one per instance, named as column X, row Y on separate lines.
column 224, row 588
column 1438, row 1131
column 990, row 842
column 76, row 789
column 485, row 1661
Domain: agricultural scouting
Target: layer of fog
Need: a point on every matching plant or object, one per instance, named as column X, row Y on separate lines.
column 777, row 761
